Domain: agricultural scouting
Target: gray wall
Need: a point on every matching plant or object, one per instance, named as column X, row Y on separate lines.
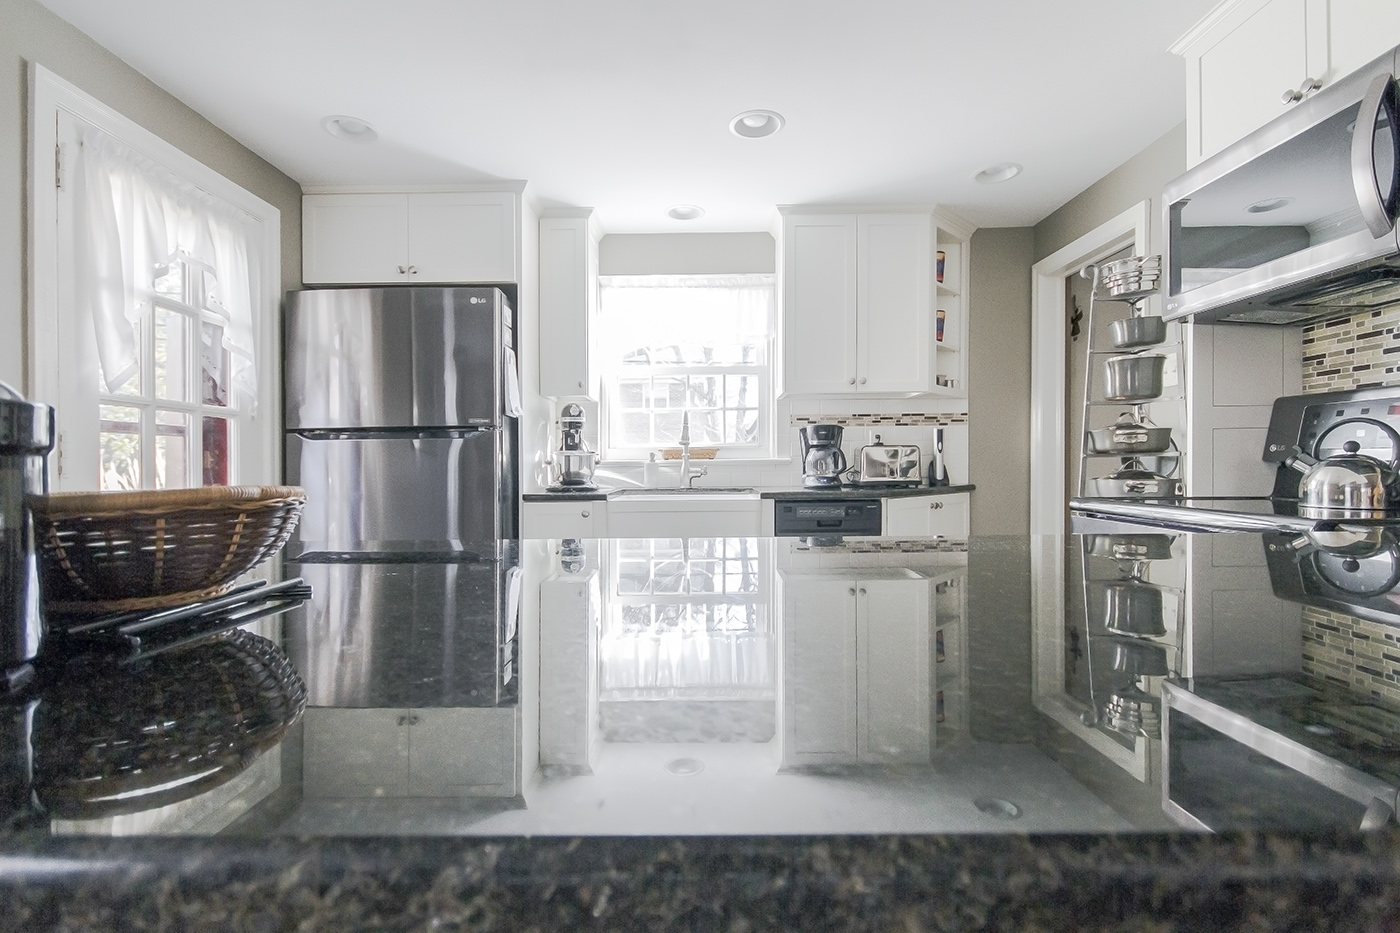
column 30, row 33
column 686, row 253
column 999, row 380
column 1139, row 178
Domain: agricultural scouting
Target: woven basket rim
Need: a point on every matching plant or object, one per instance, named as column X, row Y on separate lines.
column 103, row 504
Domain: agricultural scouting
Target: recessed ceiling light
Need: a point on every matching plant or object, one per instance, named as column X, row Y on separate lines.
column 350, row 129
column 1268, row 204
column 685, row 766
column 995, row 174
column 754, row 124
column 685, row 212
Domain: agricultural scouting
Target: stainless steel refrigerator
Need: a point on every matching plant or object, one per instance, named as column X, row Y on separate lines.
column 401, row 408
column 401, row 424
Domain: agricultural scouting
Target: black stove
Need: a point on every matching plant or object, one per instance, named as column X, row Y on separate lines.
column 1317, row 425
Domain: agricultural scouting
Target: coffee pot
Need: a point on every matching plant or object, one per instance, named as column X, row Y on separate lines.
column 574, row 463
column 823, row 461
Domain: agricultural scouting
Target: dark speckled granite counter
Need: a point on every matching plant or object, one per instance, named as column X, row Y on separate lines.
column 312, row 832
column 787, row 492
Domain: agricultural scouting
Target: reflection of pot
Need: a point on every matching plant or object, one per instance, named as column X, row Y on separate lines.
column 1131, row 547
column 1356, row 562
column 1132, row 608
column 1139, row 658
column 1131, row 711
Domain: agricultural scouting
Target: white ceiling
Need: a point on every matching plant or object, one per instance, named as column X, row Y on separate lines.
column 624, row 105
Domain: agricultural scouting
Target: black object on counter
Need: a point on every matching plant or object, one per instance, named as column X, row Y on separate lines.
column 937, row 468
column 26, row 437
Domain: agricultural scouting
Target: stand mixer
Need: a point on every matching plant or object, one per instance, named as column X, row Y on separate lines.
column 574, row 464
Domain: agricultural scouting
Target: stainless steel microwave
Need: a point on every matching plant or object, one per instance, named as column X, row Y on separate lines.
column 1296, row 222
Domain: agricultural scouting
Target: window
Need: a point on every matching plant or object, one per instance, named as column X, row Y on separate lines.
column 687, row 345
column 153, row 330
column 688, row 618
column 169, row 424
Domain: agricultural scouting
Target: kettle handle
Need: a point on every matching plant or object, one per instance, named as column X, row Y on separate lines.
column 841, row 460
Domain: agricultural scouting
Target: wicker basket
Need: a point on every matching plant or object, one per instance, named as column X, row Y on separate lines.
column 110, row 551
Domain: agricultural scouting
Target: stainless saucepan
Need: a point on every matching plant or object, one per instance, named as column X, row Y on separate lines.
column 1133, row 378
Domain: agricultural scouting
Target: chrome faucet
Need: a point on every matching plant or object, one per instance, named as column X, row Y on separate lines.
column 688, row 478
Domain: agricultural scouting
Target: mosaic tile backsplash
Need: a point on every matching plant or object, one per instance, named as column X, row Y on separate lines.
column 1362, row 656
column 879, row 419
column 1359, row 352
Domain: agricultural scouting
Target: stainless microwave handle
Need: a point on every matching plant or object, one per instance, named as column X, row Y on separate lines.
column 1377, row 209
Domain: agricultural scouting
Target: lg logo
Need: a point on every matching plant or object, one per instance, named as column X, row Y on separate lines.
column 477, row 301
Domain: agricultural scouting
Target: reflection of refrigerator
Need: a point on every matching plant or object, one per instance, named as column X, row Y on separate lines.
column 401, row 408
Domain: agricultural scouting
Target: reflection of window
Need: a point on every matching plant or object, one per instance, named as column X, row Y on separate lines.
column 696, row 344
column 169, row 420
column 688, row 617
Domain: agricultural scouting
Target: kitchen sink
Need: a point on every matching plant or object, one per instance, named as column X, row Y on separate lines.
column 689, row 491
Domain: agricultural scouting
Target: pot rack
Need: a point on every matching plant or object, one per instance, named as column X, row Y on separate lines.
column 1134, row 290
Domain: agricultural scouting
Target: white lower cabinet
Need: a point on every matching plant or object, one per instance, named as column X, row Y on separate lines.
column 587, row 519
column 411, row 752
column 856, row 677
column 945, row 516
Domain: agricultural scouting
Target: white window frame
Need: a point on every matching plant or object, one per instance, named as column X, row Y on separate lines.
column 256, row 457
column 611, row 370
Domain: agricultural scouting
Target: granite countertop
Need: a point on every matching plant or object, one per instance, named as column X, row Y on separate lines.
column 771, row 492
column 942, row 752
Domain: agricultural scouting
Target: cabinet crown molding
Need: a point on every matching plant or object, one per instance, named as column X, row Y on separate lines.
column 515, row 187
column 1228, row 10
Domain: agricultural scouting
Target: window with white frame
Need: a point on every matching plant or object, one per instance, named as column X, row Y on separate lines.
column 688, row 618
column 678, row 346
column 155, row 290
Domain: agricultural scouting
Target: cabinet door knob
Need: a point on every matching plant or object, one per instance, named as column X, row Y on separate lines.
column 403, row 270
column 862, row 591
column 1291, row 96
column 412, row 270
column 862, row 380
column 853, row 380
column 580, row 383
column 852, row 591
column 584, row 513
column 936, row 505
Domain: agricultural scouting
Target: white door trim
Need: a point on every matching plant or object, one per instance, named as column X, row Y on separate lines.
column 1048, row 350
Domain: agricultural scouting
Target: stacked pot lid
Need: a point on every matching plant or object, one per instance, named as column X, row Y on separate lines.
column 1136, row 275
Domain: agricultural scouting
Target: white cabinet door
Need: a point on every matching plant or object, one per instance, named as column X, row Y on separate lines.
column 462, row 752
column 894, row 269
column 893, row 647
column 819, row 303
column 1245, row 71
column 568, row 304
column 355, row 753
column 354, row 239
column 462, row 236
column 820, row 678
column 1357, row 32
column 926, row 516
column 564, row 519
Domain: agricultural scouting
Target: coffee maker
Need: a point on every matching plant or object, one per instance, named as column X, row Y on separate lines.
column 26, row 437
column 574, row 463
column 823, row 461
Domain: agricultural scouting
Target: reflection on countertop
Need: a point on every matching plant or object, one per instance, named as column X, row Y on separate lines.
column 764, row 492
column 569, row 719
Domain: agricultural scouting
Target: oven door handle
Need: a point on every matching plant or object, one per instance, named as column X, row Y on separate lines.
column 1378, row 207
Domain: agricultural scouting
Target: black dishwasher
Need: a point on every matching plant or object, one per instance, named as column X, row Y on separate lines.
column 801, row 517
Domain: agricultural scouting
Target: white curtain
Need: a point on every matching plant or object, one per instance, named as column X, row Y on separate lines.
column 133, row 217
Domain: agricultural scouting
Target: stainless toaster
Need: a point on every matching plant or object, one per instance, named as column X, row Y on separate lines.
column 889, row 464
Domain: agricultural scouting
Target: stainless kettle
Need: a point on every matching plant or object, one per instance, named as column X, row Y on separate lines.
column 1349, row 484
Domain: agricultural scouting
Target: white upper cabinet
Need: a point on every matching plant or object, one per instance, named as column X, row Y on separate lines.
column 1248, row 61
column 819, row 303
column 453, row 237
column 568, row 305
column 858, row 305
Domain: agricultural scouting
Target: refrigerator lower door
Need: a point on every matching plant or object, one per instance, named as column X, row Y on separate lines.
column 403, row 635
column 395, row 494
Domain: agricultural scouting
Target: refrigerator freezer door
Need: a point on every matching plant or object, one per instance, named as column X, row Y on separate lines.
column 403, row 358
column 395, row 494
column 396, row 635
